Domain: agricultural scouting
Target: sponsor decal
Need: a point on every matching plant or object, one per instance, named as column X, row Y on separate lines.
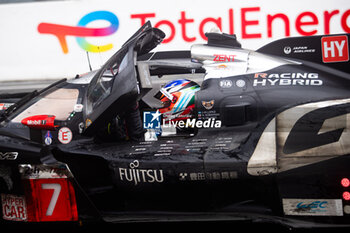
column 78, row 108
column 14, row 208
column 48, row 138
column 208, row 104
column 240, row 83
column 151, row 120
column 41, row 171
column 88, row 122
column 221, row 67
column 8, row 155
column 208, row 114
column 287, row 50
column 225, row 83
column 65, row 135
column 287, row 79
column 313, row 207
column 40, row 122
column 216, row 175
column 224, row 58
column 298, row 49
column 136, row 175
column 194, row 176
column 36, row 122
column 252, row 21
column 335, row 49
column 167, row 149
column 192, row 123
column 81, row 31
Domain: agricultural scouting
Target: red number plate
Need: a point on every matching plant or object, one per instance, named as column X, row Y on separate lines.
column 51, row 200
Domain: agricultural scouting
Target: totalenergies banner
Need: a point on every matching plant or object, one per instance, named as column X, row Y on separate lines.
column 52, row 40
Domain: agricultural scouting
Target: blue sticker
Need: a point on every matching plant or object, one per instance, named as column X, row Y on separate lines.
column 151, row 120
column 48, row 138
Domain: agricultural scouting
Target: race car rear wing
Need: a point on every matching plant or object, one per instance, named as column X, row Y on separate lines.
column 329, row 50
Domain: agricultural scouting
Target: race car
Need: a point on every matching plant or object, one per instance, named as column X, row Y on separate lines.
column 214, row 133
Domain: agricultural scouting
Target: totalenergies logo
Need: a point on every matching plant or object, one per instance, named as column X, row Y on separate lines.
column 81, row 31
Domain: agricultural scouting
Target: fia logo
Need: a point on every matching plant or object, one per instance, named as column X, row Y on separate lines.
column 151, row 120
column 335, row 49
column 225, row 83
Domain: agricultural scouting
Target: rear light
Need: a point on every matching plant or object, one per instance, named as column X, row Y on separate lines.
column 49, row 193
column 345, row 182
column 346, row 196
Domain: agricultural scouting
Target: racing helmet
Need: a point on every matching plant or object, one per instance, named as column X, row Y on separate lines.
column 178, row 98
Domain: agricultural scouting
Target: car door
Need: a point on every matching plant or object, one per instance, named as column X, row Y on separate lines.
column 115, row 85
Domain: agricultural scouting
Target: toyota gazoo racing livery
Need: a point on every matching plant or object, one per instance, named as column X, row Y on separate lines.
column 253, row 135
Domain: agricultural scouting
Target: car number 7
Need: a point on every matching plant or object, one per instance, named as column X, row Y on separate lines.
column 56, row 193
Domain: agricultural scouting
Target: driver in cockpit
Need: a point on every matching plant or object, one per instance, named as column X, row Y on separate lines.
column 178, row 99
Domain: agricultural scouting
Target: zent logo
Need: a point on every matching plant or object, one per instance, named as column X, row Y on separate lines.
column 335, row 49
column 81, row 31
column 224, row 58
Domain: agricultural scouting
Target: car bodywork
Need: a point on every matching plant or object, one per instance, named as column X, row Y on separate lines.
column 272, row 143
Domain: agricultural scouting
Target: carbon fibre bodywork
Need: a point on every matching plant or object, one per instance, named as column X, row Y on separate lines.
column 269, row 140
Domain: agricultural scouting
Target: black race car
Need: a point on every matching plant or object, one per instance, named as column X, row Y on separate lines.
column 267, row 138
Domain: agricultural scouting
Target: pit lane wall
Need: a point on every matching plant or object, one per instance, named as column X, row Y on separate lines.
column 56, row 39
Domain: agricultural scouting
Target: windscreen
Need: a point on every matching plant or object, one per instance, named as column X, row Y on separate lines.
column 66, row 99
column 115, row 85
